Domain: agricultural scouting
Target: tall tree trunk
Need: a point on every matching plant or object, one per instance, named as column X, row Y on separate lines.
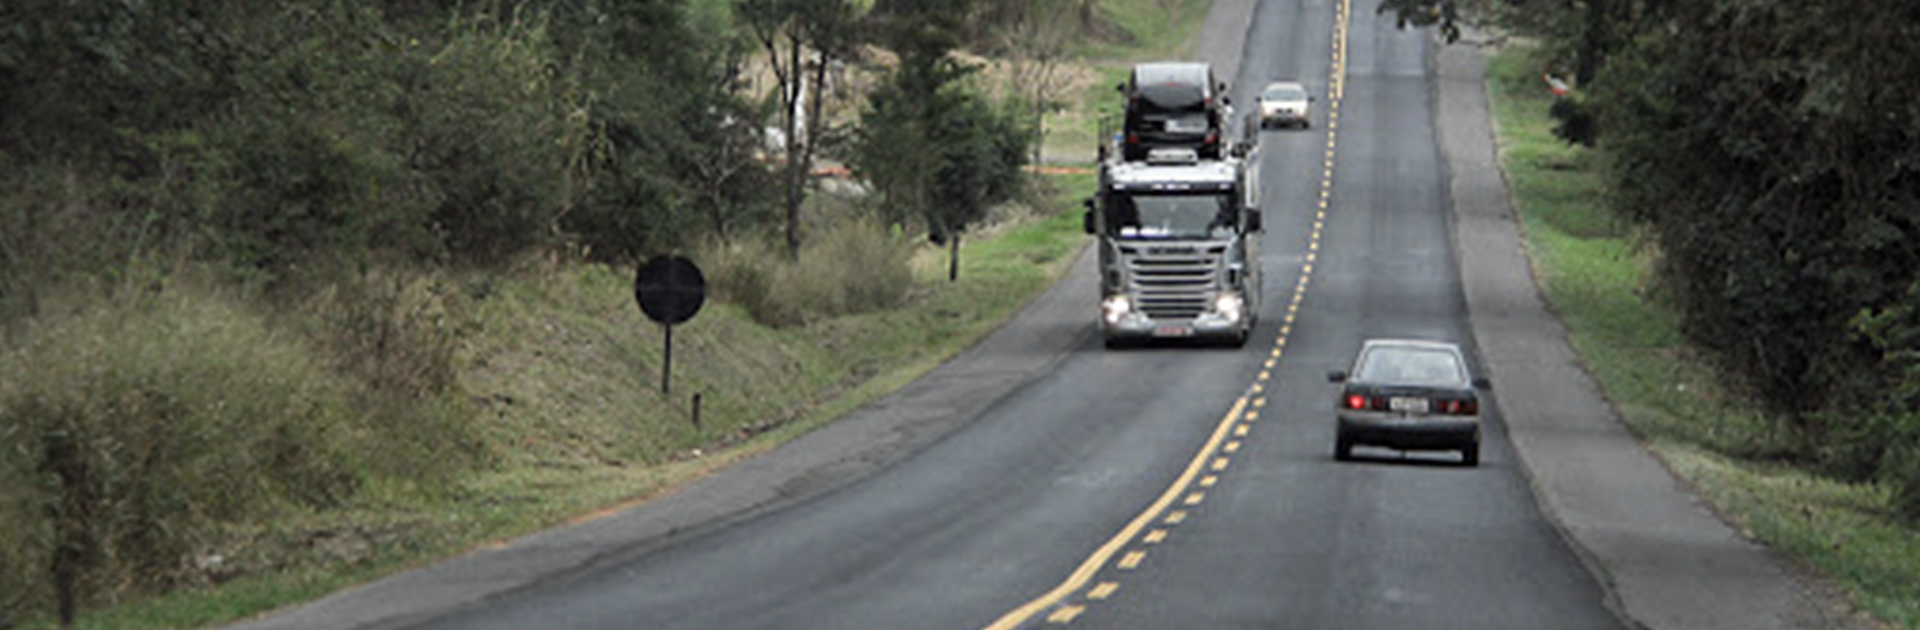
column 953, row 256
column 803, row 171
column 72, row 524
column 1593, row 44
column 796, row 176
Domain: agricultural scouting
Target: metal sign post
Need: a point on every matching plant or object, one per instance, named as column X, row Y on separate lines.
column 666, row 361
column 670, row 290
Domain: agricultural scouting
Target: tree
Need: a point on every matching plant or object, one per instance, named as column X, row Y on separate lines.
column 1033, row 39
column 1772, row 153
column 802, row 39
column 664, row 128
column 935, row 148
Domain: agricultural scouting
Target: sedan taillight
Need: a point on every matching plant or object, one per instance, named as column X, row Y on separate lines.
column 1356, row 401
column 1457, row 407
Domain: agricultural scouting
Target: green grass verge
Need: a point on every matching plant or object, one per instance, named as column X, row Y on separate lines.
column 1593, row 277
column 567, row 373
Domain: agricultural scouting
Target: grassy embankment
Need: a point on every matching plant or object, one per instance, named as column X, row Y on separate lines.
column 564, row 373
column 1594, row 276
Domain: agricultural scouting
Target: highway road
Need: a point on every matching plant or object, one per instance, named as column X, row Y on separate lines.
column 1040, row 481
column 1159, row 487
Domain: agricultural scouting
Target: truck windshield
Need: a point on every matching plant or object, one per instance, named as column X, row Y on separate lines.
column 1170, row 217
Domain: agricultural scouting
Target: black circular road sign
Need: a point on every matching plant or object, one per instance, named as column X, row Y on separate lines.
column 670, row 289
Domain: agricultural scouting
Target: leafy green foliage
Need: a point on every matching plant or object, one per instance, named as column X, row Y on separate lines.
column 1770, row 151
column 936, row 149
column 659, row 140
column 1748, row 465
column 149, row 419
column 294, row 140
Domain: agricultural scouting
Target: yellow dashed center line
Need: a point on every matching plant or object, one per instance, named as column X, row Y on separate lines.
column 1245, row 409
column 1066, row 614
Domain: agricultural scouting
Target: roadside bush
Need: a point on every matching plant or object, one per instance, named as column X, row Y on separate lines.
column 1903, row 474
column 739, row 273
column 394, row 338
column 138, row 422
column 850, row 267
column 490, row 129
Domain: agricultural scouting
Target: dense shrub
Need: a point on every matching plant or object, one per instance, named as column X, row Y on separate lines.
column 394, row 338
column 489, row 130
column 297, row 141
column 1903, row 475
column 138, row 422
column 1769, row 152
column 851, row 267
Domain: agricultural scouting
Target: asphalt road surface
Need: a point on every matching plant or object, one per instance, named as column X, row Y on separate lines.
column 1273, row 534
column 1041, row 481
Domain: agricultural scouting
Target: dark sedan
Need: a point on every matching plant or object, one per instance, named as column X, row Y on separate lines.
column 1410, row 395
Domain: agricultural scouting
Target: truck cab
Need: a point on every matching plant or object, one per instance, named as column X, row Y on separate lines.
column 1179, row 247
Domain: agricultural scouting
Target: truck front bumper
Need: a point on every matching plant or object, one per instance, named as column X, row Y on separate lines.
column 1227, row 321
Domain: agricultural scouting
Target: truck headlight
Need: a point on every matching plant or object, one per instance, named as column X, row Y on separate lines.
column 1229, row 306
column 1116, row 307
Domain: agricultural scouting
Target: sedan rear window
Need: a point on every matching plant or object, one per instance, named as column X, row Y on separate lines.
column 1410, row 366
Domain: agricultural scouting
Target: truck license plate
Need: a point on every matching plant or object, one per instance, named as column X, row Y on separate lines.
column 1173, row 331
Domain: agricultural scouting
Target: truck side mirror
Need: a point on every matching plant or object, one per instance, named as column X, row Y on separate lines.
column 1120, row 87
column 1086, row 220
column 1254, row 223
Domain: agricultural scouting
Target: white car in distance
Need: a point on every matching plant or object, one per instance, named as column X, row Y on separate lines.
column 1285, row 103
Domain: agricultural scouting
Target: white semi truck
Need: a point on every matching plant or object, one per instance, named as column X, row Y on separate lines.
column 1179, row 241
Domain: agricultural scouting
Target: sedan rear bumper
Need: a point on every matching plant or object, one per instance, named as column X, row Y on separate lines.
column 1409, row 433
column 1282, row 117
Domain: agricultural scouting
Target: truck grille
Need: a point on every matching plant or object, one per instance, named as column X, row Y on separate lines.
column 1175, row 282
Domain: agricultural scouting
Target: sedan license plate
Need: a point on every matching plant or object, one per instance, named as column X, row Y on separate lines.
column 1407, row 404
column 1173, row 331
